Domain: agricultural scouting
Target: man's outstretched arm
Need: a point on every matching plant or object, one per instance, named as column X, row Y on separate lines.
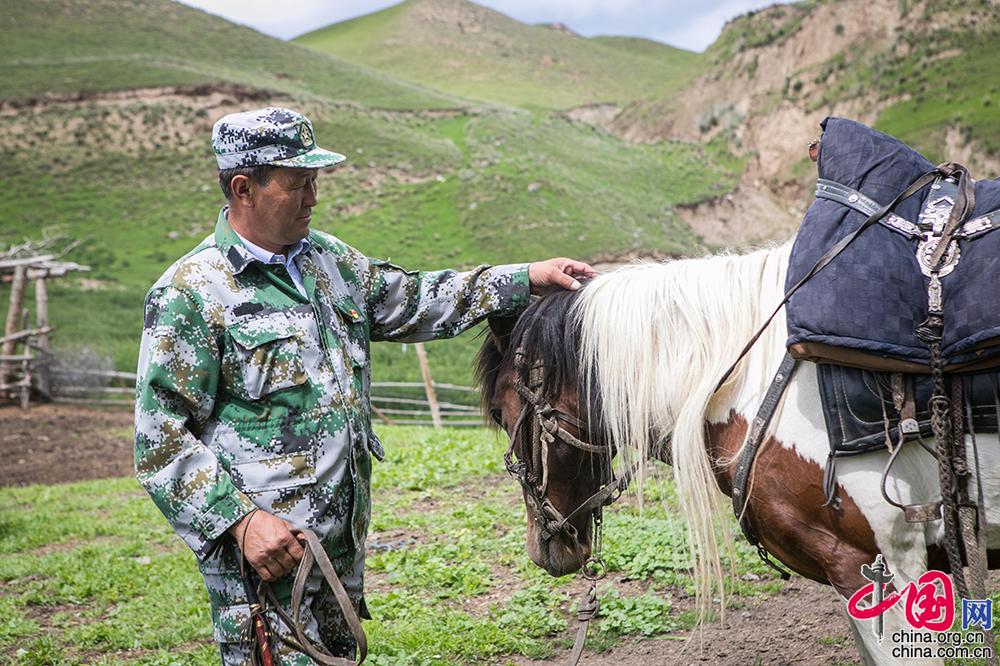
column 407, row 306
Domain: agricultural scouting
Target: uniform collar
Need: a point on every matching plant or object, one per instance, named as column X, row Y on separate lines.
column 236, row 252
column 269, row 257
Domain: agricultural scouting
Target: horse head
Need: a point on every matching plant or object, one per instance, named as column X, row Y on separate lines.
column 528, row 371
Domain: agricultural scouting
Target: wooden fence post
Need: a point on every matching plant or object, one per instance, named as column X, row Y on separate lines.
column 13, row 317
column 26, row 378
column 42, row 322
column 425, row 370
column 25, row 364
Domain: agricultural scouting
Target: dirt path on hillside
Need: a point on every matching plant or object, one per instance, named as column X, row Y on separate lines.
column 803, row 624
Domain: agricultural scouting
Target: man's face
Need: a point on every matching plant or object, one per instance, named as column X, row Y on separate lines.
column 283, row 207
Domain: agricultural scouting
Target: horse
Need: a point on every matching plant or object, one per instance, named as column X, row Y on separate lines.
column 630, row 363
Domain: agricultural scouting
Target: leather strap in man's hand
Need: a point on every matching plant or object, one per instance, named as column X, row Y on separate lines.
column 268, row 544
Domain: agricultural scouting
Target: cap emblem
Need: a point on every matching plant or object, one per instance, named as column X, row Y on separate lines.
column 305, row 135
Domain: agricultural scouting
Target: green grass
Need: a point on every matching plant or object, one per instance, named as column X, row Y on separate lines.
column 477, row 53
column 535, row 185
column 961, row 91
column 426, row 191
column 61, row 46
column 92, row 571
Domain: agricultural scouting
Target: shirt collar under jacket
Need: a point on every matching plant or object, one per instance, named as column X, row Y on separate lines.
column 269, row 257
column 237, row 250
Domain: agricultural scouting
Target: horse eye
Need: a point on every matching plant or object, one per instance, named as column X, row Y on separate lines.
column 497, row 417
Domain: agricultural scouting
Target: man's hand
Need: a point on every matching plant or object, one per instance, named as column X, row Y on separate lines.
column 268, row 544
column 559, row 272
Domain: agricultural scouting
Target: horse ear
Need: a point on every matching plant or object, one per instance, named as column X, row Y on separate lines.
column 500, row 330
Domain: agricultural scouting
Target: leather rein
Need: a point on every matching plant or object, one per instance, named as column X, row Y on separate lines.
column 541, row 421
column 259, row 638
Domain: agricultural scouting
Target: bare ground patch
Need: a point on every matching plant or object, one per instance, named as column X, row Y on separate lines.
column 746, row 216
column 127, row 122
column 61, row 444
column 67, row 546
column 57, row 617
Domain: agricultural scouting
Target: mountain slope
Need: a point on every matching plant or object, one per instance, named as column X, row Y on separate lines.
column 923, row 71
column 121, row 159
column 919, row 70
column 64, row 46
column 476, row 52
column 648, row 48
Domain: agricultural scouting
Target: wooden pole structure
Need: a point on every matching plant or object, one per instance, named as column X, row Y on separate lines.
column 425, row 370
column 381, row 415
column 13, row 319
column 42, row 321
column 25, row 367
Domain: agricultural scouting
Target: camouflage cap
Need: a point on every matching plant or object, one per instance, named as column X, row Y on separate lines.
column 274, row 135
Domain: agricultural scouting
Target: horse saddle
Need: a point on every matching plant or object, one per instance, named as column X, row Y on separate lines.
column 864, row 308
column 862, row 408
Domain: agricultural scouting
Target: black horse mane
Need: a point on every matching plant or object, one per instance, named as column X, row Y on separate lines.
column 547, row 331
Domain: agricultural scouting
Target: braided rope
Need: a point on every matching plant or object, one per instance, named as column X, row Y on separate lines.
column 930, row 333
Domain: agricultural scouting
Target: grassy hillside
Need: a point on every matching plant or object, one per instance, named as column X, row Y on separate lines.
column 426, row 191
column 948, row 81
column 475, row 52
column 64, row 46
column 936, row 72
column 651, row 49
column 126, row 165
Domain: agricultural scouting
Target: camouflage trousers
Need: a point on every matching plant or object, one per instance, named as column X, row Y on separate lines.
column 320, row 615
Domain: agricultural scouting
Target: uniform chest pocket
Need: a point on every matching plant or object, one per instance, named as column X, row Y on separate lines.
column 268, row 351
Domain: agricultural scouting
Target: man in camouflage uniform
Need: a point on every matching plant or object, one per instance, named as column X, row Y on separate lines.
column 252, row 411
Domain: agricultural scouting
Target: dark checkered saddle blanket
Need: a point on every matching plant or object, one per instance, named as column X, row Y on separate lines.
column 864, row 307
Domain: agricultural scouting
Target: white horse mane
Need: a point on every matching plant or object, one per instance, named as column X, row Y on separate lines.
column 656, row 338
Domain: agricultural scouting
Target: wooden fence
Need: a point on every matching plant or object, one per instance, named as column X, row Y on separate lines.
column 460, row 410
column 393, row 403
column 26, row 370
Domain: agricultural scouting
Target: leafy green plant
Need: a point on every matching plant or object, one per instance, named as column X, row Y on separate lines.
column 446, row 570
column 646, row 614
column 534, row 610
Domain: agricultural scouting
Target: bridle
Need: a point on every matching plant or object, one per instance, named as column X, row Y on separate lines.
column 541, row 421
column 538, row 417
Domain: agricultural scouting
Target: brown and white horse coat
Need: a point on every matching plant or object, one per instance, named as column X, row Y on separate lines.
column 654, row 340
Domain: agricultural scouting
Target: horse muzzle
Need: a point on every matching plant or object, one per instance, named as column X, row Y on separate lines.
column 559, row 553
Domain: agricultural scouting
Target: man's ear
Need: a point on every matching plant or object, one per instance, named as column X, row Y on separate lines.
column 500, row 330
column 242, row 190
